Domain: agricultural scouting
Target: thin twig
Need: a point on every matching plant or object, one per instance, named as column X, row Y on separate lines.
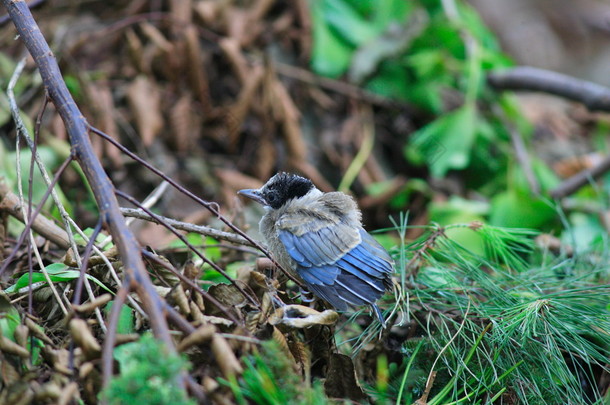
column 102, row 187
column 32, row 246
column 32, row 144
column 113, row 321
column 523, row 158
column 191, row 284
column 110, row 267
column 28, row 224
column 343, row 88
column 43, row 226
column 173, row 230
column 185, row 226
column 149, row 202
column 581, row 179
column 212, row 207
column 83, row 268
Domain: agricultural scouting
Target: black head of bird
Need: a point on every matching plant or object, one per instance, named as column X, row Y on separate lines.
column 319, row 236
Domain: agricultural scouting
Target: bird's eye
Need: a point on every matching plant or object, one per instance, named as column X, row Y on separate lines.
column 271, row 197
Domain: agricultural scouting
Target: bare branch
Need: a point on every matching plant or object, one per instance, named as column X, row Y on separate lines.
column 77, row 128
column 185, row 226
column 594, row 96
column 580, row 179
column 9, row 202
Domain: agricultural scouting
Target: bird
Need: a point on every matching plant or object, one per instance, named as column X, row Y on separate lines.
column 319, row 236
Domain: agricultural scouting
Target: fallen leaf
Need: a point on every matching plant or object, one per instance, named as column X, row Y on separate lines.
column 341, row 381
column 145, row 101
column 300, row 316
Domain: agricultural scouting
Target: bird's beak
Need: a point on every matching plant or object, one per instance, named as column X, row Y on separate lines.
column 253, row 194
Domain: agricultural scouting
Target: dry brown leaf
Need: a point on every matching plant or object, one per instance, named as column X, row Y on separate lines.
column 226, row 359
column 237, row 22
column 217, row 320
column 101, row 100
column 50, row 391
column 341, row 381
column 198, row 300
column 201, row 335
column 302, row 356
column 196, row 69
column 85, row 369
column 184, row 133
column 228, row 295
column 91, row 305
column 208, row 11
column 178, row 297
column 69, row 394
column 280, row 339
column 253, row 321
column 181, row 12
column 157, row 37
column 236, row 114
column 196, row 314
column 136, row 51
column 300, row 316
column 236, row 180
column 289, row 117
column 59, row 358
column 122, row 338
column 232, row 51
column 191, row 271
column 145, row 101
column 572, row 165
column 84, row 338
column 8, row 373
column 10, row 347
column 21, row 335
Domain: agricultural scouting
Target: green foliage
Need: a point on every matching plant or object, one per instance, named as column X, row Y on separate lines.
column 58, row 272
column 435, row 56
column 9, row 172
column 270, row 379
column 9, row 320
column 507, row 322
column 126, row 322
column 149, row 375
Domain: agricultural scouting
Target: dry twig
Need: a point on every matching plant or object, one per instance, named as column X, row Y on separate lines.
column 594, row 96
column 77, row 129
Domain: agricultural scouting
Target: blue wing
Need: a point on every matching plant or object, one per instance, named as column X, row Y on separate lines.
column 351, row 269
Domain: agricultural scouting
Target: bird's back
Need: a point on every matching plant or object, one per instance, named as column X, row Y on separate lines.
column 320, row 237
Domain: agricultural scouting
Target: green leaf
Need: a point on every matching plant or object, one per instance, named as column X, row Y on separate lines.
column 390, row 81
column 347, row 23
column 126, row 321
column 193, row 238
column 446, row 143
column 211, row 250
column 519, row 210
column 585, row 233
column 427, row 63
column 330, row 55
column 9, row 318
column 392, row 42
column 57, row 273
column 387, row 12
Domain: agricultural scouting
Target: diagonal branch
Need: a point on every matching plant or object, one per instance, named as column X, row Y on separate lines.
column 77, row 128
column 594, row 96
